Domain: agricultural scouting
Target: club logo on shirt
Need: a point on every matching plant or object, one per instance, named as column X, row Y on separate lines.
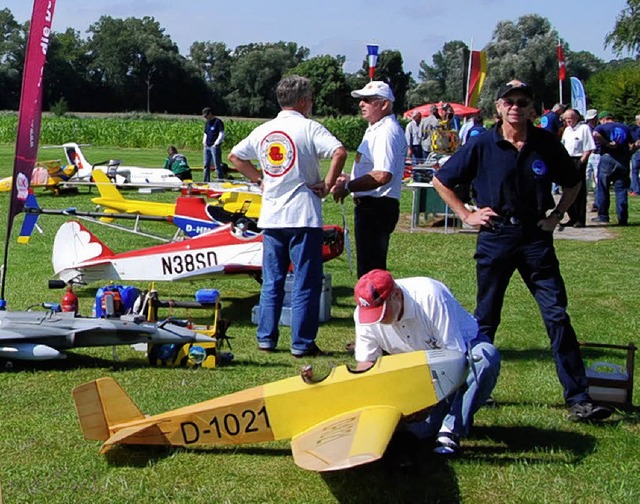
column 539, row 168
column 618, row 135
column 277, row 153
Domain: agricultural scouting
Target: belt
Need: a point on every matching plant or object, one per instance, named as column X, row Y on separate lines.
column 371, row 199
column 507, row 221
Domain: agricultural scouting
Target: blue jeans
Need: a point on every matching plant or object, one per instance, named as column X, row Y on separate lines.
column 612, row 172
column 635, row 172
column 456, row 413
column 592, row 174
column 212, row 157
column 529, row 250
column 301, row 247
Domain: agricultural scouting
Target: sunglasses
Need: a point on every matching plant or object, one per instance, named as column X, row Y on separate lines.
column 520, row 102
column 371, row 99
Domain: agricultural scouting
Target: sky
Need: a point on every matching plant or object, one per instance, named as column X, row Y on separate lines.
column 418, row 29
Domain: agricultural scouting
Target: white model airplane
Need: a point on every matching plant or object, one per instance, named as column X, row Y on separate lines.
column 122, row 175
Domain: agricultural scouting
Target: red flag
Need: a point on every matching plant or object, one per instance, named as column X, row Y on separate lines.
column 562, row 71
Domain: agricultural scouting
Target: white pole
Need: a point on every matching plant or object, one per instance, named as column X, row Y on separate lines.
column 466, row 95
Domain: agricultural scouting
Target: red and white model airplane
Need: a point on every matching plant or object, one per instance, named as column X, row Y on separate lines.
column 233, row 248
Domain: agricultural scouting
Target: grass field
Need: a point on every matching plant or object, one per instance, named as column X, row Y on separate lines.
column 525, row 450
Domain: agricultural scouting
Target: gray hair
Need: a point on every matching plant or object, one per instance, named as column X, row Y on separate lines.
column 638, row 117
column 292, row 88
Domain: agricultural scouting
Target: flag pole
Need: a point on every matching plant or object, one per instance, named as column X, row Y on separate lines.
column 29, row 119
column 466, row 96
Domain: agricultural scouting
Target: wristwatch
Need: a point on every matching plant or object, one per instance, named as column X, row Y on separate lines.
column 346, row 187
column 557, row 213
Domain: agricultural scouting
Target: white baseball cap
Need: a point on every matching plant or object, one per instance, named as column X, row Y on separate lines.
column 591, row 114
column 375, row 88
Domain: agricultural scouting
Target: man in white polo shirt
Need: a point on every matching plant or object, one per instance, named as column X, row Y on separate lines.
column 376, row 178
column 289, row 148
column 420, row 313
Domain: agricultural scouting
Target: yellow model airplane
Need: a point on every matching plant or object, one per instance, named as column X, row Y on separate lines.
column 341, row 421
column 48, row 174
column 114, row 202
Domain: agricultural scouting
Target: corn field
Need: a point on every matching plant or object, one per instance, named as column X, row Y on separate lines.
column 156, row 132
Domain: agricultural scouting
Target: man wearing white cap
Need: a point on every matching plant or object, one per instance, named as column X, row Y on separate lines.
column 376, row 178
column 420, row 313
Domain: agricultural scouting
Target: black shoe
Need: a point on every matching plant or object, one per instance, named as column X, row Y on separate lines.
column 600, row 220
column 312, row 351
column 569, row 223
column 587, row 411
column 594, row 208
column 578, row 225
column 623, row 223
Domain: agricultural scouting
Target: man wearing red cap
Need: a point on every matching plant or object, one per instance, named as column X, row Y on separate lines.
column 420, row 313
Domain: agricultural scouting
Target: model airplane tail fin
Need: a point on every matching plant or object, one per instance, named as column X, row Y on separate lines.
column 75, row 157
column 32, row 210
column 101, row 404
column 75, row 244
column 106, row 188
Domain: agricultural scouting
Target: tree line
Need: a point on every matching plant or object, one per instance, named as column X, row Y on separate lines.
column 133, row 65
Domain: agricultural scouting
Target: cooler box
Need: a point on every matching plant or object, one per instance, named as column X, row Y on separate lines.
column 285, row 316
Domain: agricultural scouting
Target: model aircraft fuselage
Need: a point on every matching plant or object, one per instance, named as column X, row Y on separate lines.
column 123, row 175
column 80, row 257
column 39, row 335
column 343, row 420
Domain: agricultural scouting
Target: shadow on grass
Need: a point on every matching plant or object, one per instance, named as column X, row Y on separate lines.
column 143, row 456
column 430, row 479
column 503, row 445
column 73, row 361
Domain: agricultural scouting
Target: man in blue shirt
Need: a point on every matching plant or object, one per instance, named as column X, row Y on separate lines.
column 635, row 158
column 212, row 144
column 614, row 139
column 511, row 169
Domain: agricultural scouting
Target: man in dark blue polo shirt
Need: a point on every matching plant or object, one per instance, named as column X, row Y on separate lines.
column 614, row 139
column 511, row 169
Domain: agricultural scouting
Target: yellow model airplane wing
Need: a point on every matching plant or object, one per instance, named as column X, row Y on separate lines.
column 347, row 440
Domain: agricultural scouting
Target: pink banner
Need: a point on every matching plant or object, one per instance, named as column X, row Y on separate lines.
column 30, row 114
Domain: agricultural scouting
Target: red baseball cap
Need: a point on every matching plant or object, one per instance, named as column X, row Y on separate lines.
column 371, row 294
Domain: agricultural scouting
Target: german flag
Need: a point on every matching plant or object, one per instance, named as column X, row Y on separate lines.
column 477, row 75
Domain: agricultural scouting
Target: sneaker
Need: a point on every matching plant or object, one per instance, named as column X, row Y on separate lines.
column 447, row 443
column 312, row 351
column 586, row 411
column 601, row 220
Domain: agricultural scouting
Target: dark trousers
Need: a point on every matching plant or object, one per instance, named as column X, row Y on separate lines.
column 612, row 172
column 578, row 210
column 528, row 249
column 374, row 221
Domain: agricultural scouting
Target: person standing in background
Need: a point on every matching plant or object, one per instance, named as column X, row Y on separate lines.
column 414, row 134
column 578, row 140
column 212, row 144
column 376, row 178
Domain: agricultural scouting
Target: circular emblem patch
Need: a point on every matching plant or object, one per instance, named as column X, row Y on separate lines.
column 544, row 121
column 539, row 168
column 22, row 187
column 277, row 153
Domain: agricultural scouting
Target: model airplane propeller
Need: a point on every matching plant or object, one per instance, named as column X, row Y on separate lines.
column 342, row 421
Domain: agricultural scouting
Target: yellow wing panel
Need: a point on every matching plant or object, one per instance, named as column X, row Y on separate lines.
column 347, row 440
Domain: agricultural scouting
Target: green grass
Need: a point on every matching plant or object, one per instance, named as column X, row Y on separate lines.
column 523, row 451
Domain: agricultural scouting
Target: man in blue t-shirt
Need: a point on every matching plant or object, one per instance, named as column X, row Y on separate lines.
column 212, row 144
column 614, row 139
column 635, row 158
column 551, row 120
